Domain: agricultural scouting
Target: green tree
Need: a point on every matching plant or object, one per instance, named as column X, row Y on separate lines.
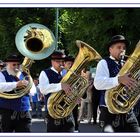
column 97, row 25
column 12, row 19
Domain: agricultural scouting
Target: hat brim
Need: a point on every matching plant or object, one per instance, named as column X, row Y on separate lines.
column 69, row 59
column 12, row 60
column 117, row 41
column 57, row 58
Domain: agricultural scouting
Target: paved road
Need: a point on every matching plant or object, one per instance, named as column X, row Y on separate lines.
column 38, row 126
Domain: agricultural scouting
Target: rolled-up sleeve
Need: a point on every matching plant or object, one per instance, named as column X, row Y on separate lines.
column 6, row 86
column 44, row 85
column 102, row 80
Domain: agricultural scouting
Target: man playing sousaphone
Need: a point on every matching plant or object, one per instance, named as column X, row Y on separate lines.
column 49, row 82
column 14, row 113
column 106, row 78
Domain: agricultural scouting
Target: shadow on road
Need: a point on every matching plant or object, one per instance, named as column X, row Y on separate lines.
column 39, row 126
column 89, row 128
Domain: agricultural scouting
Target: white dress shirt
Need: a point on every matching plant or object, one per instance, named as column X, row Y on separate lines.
column 45, row 86
column 6, row 86
column 9, row 86
column 102, row 80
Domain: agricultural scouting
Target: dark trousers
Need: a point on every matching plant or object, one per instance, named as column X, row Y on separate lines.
column 137, row 113
column 75, row 116
column 60, row 125
column 95, row 104
column 13, row 121
column 118, row 122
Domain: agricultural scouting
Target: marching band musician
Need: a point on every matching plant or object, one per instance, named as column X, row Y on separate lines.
column 106, row 78
column 14, row 113
column 49, row 82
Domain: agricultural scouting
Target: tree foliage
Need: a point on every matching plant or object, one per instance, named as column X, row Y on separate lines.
column 12, row 19
column 95, row 26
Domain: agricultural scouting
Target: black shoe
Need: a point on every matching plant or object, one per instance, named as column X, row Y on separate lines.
column 94, row 122
column 34, row 116
column 40, row 117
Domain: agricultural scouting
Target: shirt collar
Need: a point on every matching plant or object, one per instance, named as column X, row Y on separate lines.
column 52, row 68
column 111, row 57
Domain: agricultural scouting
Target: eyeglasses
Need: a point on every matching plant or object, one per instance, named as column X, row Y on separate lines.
column 16, row 65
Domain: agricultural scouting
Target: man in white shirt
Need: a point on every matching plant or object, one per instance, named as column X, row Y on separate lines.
column 14, row 113
column 49, row 82
column 106, row 78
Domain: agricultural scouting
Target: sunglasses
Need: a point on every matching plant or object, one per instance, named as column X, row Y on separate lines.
column 16, row 65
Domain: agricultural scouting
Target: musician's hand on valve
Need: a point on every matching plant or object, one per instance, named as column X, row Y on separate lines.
column 66, row 88
column 22, row 83
column 128, row 81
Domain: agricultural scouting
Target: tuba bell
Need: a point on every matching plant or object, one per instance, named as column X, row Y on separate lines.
column 121, row 99
column 35, row 42
column 61, row 105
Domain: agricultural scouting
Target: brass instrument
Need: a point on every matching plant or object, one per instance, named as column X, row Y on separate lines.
column 35, row 42
column 60, row 105
column 121, row 99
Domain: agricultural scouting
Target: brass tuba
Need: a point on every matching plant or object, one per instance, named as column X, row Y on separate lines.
column 61, row 105
column 35, row 42
column 121, row 99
